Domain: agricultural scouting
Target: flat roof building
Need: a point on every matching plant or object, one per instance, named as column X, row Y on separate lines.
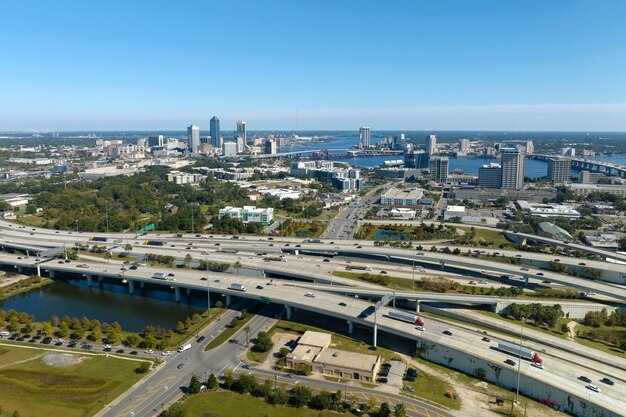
column 248, row 214
column 313, row 349
column 490, row 176
column 560, row 170
column 512, row 168
column 402, row 197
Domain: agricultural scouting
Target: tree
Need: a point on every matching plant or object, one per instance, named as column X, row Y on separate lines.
column 384, row 411
column 128, row 247
column 180, row 327
column 283, row 352
column 188, row 259
column 228, row 379
column 237, row 265
column 107, row 255
column 46, row 328
column 300, row 396
column 264, row 343
column 247, row 329
column 194, row 385
column 143, row 368
column 176, row 410
column 211, row 382
column 400, row 410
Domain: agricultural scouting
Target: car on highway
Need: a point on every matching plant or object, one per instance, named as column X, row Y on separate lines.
column 486, row 339
column 82, row 266
column 582, row 264
column 510, row 362
column 149, row 351
column 383, row 272
column 203, row 279
column 537, row 365
column 524, row 269
column 259, row 287
column 593, row 388
column 180, row 365
column 200, row 339
column 166, row 353
column 310, row 294
column 540, row 274
column 326, row 260
column 447, row 332
column 607, row 381
column 171, row 274
column 584, row 378
column 359, row 247
column 342, row 304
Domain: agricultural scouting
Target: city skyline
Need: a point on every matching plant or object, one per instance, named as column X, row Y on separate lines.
column 450, row 66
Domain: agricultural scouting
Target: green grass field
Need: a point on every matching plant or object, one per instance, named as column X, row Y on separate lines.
column 228, row 404
column 495, row 236
column 33, row 388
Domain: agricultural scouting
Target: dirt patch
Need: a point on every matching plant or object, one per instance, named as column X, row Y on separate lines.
column 62, row 360
column 571, row 327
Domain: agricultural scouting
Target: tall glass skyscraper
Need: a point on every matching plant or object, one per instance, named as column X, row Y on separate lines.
column 215, row 133
column 193, row 138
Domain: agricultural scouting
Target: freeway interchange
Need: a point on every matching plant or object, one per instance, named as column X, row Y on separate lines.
column 561, row 373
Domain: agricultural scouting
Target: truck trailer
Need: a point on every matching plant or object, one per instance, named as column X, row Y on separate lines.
column 237, row 287
column 160, row 275
column 408, row 317
column 519, row 351
column 184, row 347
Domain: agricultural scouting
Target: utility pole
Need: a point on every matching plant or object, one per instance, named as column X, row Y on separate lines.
column 519, row 360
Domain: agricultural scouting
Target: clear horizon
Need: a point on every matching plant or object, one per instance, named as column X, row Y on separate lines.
column 445, row 66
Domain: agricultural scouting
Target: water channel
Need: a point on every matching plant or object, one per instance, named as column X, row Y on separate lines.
column 108, row 302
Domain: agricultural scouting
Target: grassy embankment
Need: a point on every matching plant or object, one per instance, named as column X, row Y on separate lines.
column 33, row 388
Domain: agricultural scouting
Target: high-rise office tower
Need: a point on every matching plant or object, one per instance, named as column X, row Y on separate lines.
column 156, row 140
column 559, row 170
column 530, row 146
column 512, row 168
column 215, row 132
column 464, row 145
column 490, row 176
column 364, row 137
column 193, row 138
column 569, row 151
column 439, row 169
column 269, row 147
column 432, row 145
column 241, row 130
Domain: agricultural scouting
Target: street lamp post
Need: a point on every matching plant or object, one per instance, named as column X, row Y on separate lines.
column 519, row 360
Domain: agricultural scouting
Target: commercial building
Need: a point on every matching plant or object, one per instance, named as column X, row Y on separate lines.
column 586, row 189
column 402, row 197
column 396, row 173
column 464, row 145
column 548, row 210
column 559, row 170
column 587, row 177
column 439, row 169
column 269, row 147
column 156, row 140
column 571, row 152
column 178, row 177
column 402, row 213
column 490, row 175
column 248, row 214
column 512, row 168
column 364, row 137
column 492, row 194
column 15, row 199
column 313, row 349
column 344, row 179
column 193, row 138
column 431, row 145
column 242, row 131
column 216, row 137
column 229, row 149
column 416, row 160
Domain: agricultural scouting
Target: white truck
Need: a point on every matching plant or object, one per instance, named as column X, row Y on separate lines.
column 160, row 275
column 520, row 351
column 184, row 347
column 408, row 317
column 237, row 287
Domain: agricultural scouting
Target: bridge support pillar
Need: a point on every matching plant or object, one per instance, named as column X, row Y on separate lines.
column 188, row 291
column 38, row 270
column 228, row 300
column 289, row 312
column 177, row 294
column 51, row 273
column 417, row 306
column 375, row 343
column 526, row 279
column 100, row 278
column 350, row 327
column 131, row 286
column 20, row 269
column 89, row 281
column 142, row 284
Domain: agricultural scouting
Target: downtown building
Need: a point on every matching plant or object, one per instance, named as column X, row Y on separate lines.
column 364, row 137
column 439, row 169
column 216, row 138
column 560, row 170
column 193, row 138
column 343, row 179
column 512, row 169
column 490, row 175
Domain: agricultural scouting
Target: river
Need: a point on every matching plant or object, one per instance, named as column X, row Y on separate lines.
column 149, row 306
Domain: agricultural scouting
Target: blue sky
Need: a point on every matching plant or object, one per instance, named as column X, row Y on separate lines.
column 437, row 65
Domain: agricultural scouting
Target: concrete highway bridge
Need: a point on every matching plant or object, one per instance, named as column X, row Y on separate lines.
column 464, row 351
column 585, row 164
